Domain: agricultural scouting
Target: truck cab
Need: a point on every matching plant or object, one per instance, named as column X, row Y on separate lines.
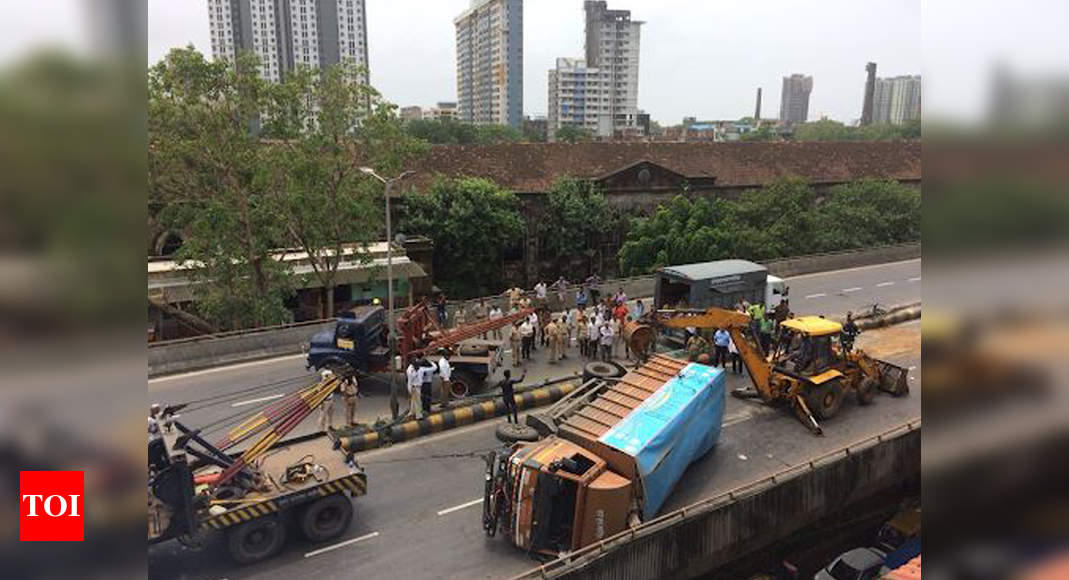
column 357, row 343
column 615, row 452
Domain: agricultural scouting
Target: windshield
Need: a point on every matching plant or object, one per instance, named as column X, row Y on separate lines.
column 842, row 571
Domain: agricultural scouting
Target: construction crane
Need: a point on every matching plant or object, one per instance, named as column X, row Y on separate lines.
column 808, row 368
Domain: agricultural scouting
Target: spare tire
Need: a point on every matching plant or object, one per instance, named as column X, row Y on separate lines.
column 474, row 350
column 601, row 370
column 513, row 433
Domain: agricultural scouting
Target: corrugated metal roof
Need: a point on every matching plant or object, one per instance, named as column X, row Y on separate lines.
column 594, row 419
column 707, row 270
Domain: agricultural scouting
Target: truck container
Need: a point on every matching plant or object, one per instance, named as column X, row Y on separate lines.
column 722, row 284
column 614, row 452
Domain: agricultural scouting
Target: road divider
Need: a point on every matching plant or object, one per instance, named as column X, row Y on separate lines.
column 353, row 442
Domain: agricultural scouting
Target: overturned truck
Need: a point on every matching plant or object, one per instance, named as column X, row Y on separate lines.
column 608, row 456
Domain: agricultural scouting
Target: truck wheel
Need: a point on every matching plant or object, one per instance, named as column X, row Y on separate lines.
column 866, row 390
column 512, row 433
column 825, row 399
column 256, row 540
column 462, row 384
column 601, row 370
column 327, row 518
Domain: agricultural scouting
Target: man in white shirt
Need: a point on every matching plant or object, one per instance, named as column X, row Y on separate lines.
column 606, row 342
column 540, row 291
column 445, row 371
column 526, row 338
column 326, row 408
column 496, row 314
column 415, row 381
column 592, row 339
column 427, row 371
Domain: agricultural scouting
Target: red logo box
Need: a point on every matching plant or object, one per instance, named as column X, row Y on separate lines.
column 51, row 506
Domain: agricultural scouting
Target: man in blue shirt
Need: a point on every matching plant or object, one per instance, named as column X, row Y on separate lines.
column 721, row 340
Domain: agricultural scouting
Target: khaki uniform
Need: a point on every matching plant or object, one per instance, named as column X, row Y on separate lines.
column 515, row 295
column 514, row 342
column 553, row 337
column 696, row 346
column 349, row 391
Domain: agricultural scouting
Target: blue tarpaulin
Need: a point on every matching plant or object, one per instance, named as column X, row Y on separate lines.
column 677, row 424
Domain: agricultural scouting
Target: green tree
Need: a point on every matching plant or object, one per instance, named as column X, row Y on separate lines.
column 207, row 170
column 869, row 213
column 781, row 219
column 575, row 214
column 330, row 123
column 573, row 134
column 471, row 221
column 762, row 133
column 451, row 132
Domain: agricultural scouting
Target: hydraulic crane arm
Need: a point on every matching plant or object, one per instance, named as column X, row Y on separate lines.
column 736, row 323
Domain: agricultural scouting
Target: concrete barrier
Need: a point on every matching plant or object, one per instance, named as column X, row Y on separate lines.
column 701, row 537
column 452, row 418
column 216, row 350
column 828, row 262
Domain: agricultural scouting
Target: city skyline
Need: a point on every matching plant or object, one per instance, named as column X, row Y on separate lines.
column 682, row 73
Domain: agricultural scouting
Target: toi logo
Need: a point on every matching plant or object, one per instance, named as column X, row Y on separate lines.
column 51, row 506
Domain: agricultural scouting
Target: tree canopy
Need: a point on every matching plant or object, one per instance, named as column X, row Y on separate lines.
column 784, row 218
column 239, row 198
column 573, row 134
column 575, row 214
column 828, row 130
column 451, row 132
column 471, row 221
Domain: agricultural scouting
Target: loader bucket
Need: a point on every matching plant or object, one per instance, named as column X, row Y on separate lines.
column 893, row 378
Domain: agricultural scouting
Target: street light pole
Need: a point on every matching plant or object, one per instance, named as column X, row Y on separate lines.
column 391, row 330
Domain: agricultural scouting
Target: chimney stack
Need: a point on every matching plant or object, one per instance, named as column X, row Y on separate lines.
column 757, row 110
column 870, row 89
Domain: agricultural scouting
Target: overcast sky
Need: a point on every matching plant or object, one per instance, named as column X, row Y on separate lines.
column 707, row 57
column 699, row 57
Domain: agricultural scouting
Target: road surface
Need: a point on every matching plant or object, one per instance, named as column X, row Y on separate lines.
column 226, row 392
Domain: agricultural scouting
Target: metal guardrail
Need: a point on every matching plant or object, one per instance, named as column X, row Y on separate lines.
column 233, row 333
column 579, row 558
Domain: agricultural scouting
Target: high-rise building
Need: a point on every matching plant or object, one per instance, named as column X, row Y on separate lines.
column 445, row 110
column 578, row 98
column 288, row 33
column 412, row 113
column 794, row 100
column 870, row 90
column 612, row 46
column 897, row 99
column 490, row 62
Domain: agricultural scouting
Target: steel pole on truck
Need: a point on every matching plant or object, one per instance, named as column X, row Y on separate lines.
column 392, row 334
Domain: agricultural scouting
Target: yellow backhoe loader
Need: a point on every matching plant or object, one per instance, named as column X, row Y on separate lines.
column 807, row 367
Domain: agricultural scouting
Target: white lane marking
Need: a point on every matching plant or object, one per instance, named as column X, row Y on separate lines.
column 341, row 544
column 226, row 368
column 738, row 418
column 260, row 400
column 854, row 289
column 460, row 507
column 882, row 284
column 818, row 295
column 917, row 279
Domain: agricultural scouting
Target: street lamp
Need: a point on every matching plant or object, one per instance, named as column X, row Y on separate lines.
column 392, row 335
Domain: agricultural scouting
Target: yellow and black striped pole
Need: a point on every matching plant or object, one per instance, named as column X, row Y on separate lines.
column 452, row 418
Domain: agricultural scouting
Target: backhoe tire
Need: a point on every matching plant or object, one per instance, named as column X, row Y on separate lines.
column 256, row 540
column 510, row 433
column 327, row 518
column 825, row 399
column 866, row 390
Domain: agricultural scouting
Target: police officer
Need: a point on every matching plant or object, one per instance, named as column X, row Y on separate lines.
column 349, row 391
column 850, row 332
column 326, row 410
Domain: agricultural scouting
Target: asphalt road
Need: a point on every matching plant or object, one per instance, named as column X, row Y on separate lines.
column 421, row 517
column 227, row 392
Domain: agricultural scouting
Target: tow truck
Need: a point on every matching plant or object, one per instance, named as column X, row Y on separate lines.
column 256, row 496
column 358, row 345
